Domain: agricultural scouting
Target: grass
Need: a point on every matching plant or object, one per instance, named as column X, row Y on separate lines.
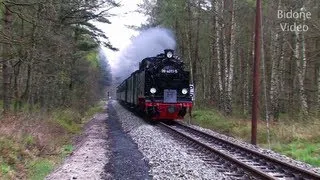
column 12, row 158
column 40, row 168
column 4, row 168
column 67, row 149
column 297, row 139
column 72, row 121
column 95, row 109
column 301, row 150
column 31, row 145
column 205, row 117
column 69, row 120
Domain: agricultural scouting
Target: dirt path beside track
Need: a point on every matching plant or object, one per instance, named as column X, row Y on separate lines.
column 91, row 153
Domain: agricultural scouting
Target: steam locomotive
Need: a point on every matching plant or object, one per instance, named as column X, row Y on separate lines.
column 159, row 89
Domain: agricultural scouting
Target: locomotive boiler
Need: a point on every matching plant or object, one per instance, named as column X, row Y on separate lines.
column 159, row 89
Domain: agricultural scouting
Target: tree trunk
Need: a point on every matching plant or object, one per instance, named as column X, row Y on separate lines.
column 218, row 53
column 274, row 87
column 231, row 62
column 189, row 38
column 243, row 79
column 17, row 100
column 225, row 71
column 16, row 69
column 318, row 88
column 196, row 46
column 6, row 61
column 301, row 71
column 248, row 75
column 281, row 71
column 264, row 74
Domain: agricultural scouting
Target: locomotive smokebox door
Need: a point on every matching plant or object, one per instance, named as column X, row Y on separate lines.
column 169, row 96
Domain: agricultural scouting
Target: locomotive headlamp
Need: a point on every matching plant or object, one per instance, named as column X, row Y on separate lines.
column 153, row 90
column 184, row 91
column 169, row 54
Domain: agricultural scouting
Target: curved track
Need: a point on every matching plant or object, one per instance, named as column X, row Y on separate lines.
column 238, row 161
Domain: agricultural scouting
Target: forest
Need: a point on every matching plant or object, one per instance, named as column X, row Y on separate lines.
column 53, row 75
column 50, row 54
column 216, row 40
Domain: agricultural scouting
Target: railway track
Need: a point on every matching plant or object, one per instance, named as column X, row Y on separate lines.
column 237, row 161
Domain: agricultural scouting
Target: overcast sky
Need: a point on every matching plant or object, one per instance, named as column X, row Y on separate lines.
column 117, row 32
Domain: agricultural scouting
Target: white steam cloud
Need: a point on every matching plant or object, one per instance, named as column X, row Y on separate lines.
column 148, row 43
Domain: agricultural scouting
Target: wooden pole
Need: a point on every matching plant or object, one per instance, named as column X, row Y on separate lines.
column 256, row 73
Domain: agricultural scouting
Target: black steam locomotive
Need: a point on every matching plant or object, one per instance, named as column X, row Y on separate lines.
column 160, row 88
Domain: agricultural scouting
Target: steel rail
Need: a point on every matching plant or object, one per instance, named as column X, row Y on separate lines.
column 303, row 173
column 255, row 172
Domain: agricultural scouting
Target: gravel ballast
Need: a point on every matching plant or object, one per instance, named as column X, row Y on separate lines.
column 168, row 159
column 126, row 161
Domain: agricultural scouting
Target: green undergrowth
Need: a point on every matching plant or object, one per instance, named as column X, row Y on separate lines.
column 299, row 140
column 39, row 168
column 301, row 150
column 93, row 110
column 12, row 157
column 22, row 159
column 69, row 120
column 41, row 144
column 72, row 120
column 205, row 118
column 67, row 149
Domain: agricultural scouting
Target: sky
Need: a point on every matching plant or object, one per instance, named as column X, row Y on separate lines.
column 119, row 35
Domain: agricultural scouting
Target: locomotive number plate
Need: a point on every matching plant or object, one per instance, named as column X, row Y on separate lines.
column 169, row 96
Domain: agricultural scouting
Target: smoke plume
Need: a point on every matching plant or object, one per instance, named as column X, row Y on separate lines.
column 147, row 44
